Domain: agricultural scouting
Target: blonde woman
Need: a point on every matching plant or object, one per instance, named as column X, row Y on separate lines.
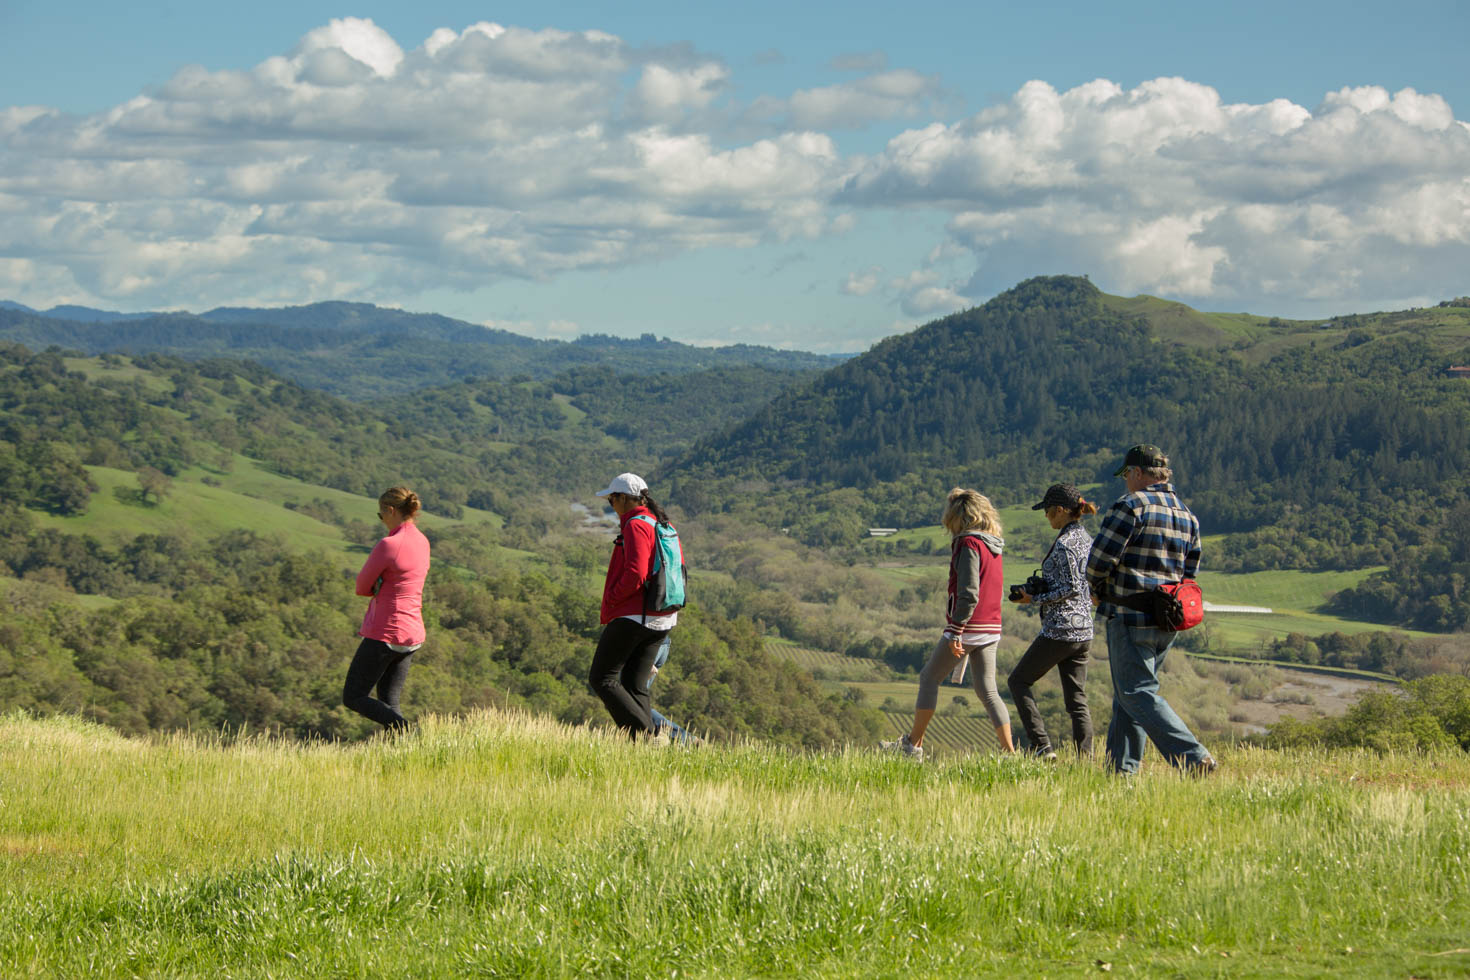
column 972, row 620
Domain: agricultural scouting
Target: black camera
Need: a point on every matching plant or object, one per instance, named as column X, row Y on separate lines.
column 1034, row 585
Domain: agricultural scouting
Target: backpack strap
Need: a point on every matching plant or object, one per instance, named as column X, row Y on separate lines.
column 653, row 559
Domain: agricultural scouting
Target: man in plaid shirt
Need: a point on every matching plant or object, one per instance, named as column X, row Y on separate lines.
column 1148, row 538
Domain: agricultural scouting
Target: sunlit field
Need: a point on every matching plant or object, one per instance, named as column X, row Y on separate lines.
column 501, row 845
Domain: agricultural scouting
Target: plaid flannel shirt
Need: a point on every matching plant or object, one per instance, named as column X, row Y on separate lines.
column 1148, row 538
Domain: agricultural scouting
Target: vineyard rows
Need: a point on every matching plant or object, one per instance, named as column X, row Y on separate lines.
column 810, row 658
column 948, row 733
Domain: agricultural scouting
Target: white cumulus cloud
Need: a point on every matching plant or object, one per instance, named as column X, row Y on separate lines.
column 351, row 166
column 1166, row 188
column 355, row 38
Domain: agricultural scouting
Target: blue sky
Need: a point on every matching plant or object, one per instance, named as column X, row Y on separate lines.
column 810, row 175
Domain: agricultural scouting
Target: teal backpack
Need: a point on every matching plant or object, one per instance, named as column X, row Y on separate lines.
column 664, row 593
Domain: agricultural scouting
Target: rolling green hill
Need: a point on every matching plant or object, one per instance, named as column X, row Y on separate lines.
column 360, row 352
column 478, row 445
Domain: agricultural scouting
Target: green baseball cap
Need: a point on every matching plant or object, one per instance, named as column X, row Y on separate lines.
column 1149, row 457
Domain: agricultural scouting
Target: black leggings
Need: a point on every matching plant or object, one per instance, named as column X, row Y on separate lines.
column 375, row 664
column 1070, row 659
column 621, row 669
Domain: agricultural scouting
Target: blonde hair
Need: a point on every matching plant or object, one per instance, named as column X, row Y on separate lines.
column 401, row 499
column 970, row 510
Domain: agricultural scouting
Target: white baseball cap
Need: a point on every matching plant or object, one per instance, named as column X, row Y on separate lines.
column 628, row 484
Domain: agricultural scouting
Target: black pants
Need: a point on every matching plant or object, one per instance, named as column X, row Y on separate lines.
column 621, row 669
column 375, row 664
column 1070, row 659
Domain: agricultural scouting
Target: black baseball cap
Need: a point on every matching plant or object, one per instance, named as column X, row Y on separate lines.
column 1149, row 457
column 1060, row 495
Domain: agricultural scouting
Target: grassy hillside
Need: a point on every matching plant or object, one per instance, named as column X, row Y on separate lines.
column 209, row 501
column 502, row 846
column 1256, row 338
column 1186, row 325
column 244, row 450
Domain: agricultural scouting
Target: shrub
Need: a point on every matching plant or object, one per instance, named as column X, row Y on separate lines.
column 1431, row 713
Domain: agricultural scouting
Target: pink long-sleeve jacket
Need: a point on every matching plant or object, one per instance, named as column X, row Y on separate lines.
column 401, row 561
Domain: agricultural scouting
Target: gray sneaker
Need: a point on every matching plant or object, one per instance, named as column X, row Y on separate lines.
column 904, row 747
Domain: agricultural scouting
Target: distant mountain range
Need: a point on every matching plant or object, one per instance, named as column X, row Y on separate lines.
column 361, row 351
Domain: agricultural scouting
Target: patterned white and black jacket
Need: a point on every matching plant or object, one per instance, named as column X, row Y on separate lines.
column 1066, row 606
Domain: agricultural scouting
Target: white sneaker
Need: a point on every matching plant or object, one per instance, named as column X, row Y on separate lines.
column 904, row 747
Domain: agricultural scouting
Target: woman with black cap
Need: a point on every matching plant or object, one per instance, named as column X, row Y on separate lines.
column 1066, row 623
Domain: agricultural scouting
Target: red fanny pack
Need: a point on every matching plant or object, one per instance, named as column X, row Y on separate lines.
column 1173, row 608
column 1188, row 608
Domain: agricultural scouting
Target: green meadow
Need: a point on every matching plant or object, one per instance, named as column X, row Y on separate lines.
column 208, row 502
column 1296, row 600
column 253, row 497
column 508, row 846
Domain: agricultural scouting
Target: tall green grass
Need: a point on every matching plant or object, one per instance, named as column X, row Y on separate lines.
column 502, row 845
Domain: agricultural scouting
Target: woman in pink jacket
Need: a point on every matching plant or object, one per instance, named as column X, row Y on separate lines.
column 393, row 628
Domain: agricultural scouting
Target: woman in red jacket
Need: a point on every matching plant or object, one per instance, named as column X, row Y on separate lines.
column 393, row 627
column 623, row 664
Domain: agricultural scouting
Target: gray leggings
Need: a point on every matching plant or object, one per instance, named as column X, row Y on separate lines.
column 982, row 675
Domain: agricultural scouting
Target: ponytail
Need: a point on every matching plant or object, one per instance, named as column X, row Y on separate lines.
column 651, row 504
column 1082, row 509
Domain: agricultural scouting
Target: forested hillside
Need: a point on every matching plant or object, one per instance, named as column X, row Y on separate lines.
column 1328, row 445
column 121, row 608
column 474, row 443
column 359, row 351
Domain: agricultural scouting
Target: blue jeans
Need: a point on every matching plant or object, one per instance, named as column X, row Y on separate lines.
column 660, row 723
column 1135, row 656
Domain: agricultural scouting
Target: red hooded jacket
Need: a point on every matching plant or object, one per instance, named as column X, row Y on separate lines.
column 627, row 570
